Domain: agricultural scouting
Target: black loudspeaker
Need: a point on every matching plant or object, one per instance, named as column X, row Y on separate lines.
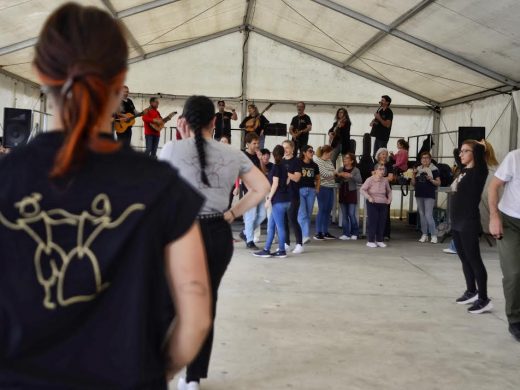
column 17, row 126
column 476, row 133
column 278, row 129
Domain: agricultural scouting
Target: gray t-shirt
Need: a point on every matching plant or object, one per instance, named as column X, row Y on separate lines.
column 223, row 165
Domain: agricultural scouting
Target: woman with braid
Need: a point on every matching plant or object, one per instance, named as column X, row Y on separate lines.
column 212, row 168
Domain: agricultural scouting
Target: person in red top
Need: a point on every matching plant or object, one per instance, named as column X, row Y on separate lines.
column 151, row 136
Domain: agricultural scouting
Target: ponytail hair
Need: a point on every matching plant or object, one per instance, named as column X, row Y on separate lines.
column 71, row 61
column 199, row 111
column 278, row 153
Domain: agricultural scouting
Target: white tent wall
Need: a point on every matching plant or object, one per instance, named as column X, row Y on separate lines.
column 279, row 72
column 17, row 94
column 212, row 68
column 494, row 113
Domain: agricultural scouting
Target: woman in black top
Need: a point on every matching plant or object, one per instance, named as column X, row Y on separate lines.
column 339, row 135
column 465, row 218
column 93, row 234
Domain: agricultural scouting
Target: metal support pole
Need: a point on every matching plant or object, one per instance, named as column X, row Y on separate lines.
column 437, row 149
column 513, row 128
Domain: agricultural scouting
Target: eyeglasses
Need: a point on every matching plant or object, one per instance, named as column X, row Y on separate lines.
column 381, row 169
column 310, row 151
column 463, row 151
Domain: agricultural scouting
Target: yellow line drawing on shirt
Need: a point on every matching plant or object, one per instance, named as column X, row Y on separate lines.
column 55, row 257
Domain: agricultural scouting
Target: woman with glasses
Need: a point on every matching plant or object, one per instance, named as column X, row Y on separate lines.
column 350, row 177
column 465, row 225
column 378, row 194
column 309, row 187
column 426, row 179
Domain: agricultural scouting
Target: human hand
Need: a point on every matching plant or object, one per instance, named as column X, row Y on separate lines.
column 495, row 227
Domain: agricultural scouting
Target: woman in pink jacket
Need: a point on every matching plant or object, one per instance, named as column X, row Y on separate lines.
column 378, row 194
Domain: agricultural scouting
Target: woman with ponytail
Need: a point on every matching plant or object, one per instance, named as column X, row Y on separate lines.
column 97, row 240
column 212, row 167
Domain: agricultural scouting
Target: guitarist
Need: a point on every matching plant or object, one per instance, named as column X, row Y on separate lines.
column 300, row 127
column 152, row 136
column 126, row 107
column 223, row 121
column 260, row 126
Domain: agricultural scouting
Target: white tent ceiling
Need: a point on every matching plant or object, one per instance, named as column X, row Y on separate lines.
column 436, row 52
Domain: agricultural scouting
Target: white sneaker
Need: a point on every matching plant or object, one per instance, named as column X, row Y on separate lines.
column 450, row 251
column 434, row 240
column 353, row 237
column 306, row 240
column 381, row 244
column 371, row 245
column 344, row 238
column 182, row 385
column 287, row 247
column 298, row 249
column 423, row 238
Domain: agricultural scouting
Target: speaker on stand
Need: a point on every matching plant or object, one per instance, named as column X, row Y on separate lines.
column 17, row 126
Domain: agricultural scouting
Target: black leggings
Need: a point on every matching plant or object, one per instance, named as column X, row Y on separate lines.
column 468, row 249
column 218, row 242
column 292, row 218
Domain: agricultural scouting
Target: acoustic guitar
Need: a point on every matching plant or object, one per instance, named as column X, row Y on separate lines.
column 253, row 123
column 126, row 120
column 159, row 125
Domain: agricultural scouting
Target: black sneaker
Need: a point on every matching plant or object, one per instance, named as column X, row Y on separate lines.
column 251, row 245
column 514, row 329
column 481, row 306
column 262, row 253
column 329, row 236
column 467, row 297
column 243, row 236
column 280, row 254
column 319, row 237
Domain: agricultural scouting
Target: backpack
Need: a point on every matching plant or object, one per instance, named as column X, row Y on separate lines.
column 445, row 174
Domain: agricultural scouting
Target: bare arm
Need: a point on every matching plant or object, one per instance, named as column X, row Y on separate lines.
column 296, row 176
column 308, row 129
column 187, row 275
column 495, row 223
column 318, row 183
column 257, row 186
column 234, row 115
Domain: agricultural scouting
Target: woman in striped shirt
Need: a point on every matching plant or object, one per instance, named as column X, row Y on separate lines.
column 326, row 193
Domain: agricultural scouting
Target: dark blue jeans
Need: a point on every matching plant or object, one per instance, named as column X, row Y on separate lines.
column 349, row 220
column 325, row 202
column 152, row 142
column 376, row 213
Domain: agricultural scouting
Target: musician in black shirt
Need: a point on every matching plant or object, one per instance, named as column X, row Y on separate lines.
column 382, row 123
column 126, row 107
column 223, row 121
column 299, row 129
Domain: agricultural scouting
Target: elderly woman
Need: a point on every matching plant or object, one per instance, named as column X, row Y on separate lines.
column 350, row 177
column 378, row 194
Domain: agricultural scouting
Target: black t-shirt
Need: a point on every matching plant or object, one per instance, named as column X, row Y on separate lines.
column 423, row 187
column 263, row 123
column 344, row 136
column 309, row 172
column 223, row 124
column 268, row 167
column 83, row 297
column 282, row 191
column 301, row 123
column 378, row 130
column 127, row 106
column 294, row 165
column 256, row 161
column 465, row 201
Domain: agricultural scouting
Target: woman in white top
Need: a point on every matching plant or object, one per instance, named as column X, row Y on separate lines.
column 212, row 168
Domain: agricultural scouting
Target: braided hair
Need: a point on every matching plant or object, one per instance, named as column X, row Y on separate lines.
column 198, row 112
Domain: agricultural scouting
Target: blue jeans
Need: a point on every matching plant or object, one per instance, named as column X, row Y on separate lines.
column 425, row 209
column 152, row 142
column 276, row 222
column 252, row 219
column 307, row 197
column 349, row 220
column 325, row 202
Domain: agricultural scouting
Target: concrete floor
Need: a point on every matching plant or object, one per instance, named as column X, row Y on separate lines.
column 344, row 316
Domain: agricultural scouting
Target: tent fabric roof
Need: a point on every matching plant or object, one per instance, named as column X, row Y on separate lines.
column 434, row 50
